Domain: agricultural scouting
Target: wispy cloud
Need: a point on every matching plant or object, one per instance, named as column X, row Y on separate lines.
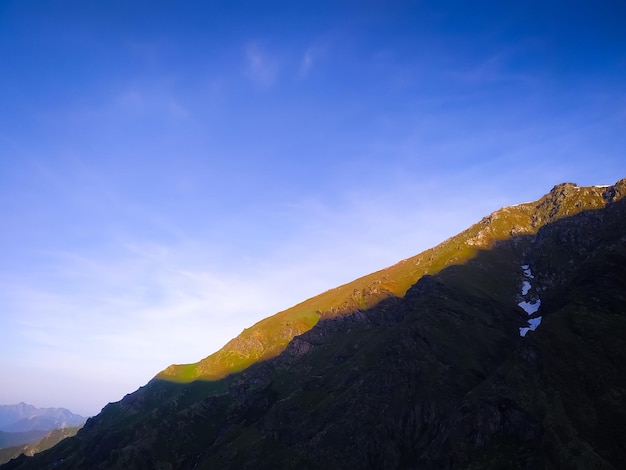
column 318, row 50
column 130, row 99
column 496, row 68
column 261, row 67
column 149, row 101
column 130, row 313
column 176, row 109
column 309, row 59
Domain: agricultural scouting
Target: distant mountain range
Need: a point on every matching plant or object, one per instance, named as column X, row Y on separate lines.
column 23, row 417
column 27, row 429
column 502, row 347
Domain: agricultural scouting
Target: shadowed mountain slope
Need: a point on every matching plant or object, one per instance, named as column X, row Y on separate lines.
column 49, row 439
column 421, row 365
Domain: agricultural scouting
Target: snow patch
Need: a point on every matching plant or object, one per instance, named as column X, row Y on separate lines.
column 527, row 272
column 533, row 322
column 530, row 306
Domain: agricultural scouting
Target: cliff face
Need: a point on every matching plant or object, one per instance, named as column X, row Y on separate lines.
column 434, row 375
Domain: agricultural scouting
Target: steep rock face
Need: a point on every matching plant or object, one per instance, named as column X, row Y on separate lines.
column 436, row 378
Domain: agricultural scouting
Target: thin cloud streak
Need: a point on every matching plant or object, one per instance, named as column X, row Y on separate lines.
column 310, row 59
column 261, row 67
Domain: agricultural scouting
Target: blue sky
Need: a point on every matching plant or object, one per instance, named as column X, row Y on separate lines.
column 172, row 172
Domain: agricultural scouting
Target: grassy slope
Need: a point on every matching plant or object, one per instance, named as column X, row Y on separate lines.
column 269, row 337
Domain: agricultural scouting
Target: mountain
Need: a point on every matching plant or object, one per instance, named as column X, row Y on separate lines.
column 270, row 337
column 502, row 347
column 23, row 417
column 31, row 447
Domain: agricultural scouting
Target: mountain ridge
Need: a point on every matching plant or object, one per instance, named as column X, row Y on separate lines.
column 270, row 336
column 437, row 378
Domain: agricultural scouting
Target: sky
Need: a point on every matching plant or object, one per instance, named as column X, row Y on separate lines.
column 172, row 172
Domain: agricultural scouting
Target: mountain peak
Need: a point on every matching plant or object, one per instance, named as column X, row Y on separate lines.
column 616, row 192
column 24, row 417
column 566, row 185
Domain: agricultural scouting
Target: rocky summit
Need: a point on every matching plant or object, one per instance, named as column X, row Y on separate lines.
column 502, row 347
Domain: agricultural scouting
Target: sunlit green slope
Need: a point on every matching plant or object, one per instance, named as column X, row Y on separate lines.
column 269, row 337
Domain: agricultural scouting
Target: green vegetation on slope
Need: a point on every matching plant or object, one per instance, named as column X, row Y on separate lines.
column 269, row 337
